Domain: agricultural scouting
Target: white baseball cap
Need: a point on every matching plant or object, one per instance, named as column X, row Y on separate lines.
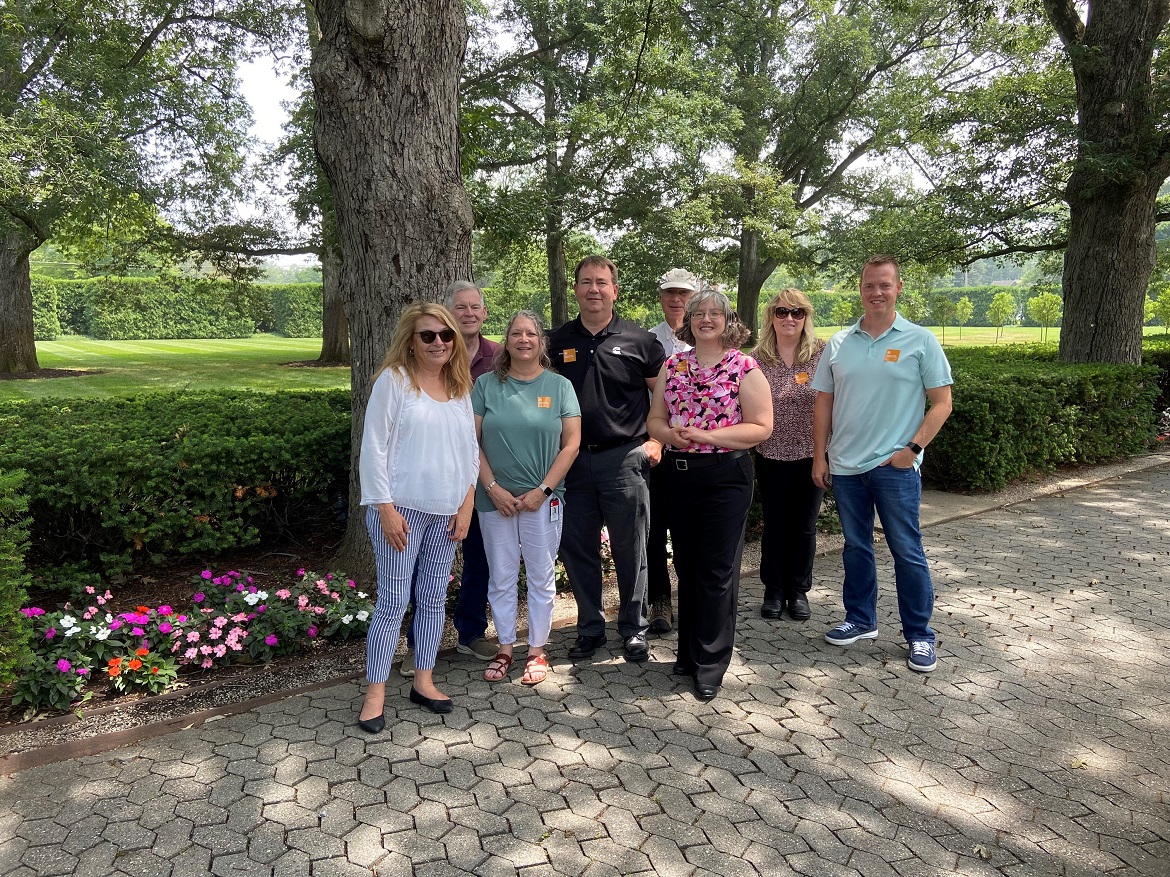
column 678, row 278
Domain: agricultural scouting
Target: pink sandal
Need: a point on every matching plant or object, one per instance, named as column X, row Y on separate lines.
column 498, row 668
column 535, row 670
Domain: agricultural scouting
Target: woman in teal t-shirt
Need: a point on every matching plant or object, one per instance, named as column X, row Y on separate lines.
column 529, row 428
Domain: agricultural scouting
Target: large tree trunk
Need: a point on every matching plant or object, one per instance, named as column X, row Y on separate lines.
column 1121, row 163
column 18, row 349
column 386, row 79
column 334, row 325
column 558, row 273
column 753, row 274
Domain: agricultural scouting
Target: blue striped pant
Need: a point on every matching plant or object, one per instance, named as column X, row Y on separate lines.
column 427, row 562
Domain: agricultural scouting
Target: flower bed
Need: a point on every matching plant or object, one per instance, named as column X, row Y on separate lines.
column 82, row 648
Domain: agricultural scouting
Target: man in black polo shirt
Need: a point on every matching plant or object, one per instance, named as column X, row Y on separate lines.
column 610, row 362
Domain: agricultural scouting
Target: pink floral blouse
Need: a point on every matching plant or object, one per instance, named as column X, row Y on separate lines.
column 705, row 397
column 792, row 409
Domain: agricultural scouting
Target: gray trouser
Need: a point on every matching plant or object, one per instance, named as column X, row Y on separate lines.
column 607, row 487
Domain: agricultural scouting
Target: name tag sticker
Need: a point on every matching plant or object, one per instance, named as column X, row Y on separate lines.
column 681, row 367
column 570, row 354
column 802, row 378
column 544, row 401
column 892, row 354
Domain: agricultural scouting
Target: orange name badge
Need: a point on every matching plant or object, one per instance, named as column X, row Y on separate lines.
column 570, row 354
column 892, row 354
column 802, row 378
column 544, row 401
column 681, row 366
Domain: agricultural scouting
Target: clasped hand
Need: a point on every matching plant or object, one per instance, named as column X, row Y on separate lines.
column 509, row 505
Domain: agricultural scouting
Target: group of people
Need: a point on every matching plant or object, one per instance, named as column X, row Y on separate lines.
column 529, row 448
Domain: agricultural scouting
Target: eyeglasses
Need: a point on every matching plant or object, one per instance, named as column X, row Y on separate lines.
column 707, row 315
column 797, row 313
column 444, row 335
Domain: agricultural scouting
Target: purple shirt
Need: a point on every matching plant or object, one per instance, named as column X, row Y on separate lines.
column 484, row 358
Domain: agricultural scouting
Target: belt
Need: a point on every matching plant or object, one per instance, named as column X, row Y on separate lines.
column 614, row 443
column 686, row 462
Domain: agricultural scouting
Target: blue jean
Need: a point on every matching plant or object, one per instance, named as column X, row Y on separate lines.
column 470, row 616
column 896, row 494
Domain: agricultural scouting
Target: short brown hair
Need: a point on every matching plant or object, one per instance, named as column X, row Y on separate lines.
column 596, row 262
column 734, row 332
column 883, row 259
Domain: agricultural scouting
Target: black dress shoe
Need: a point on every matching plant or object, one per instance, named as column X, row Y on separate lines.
column 798, row 608
column 773, row 607
column 375, row 725
column 434, row 704
column 585, row 646
column 682, row 670
column 635, row 647
column 704, row 691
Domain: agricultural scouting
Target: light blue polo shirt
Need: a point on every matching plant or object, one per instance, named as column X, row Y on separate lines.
column 879, row 391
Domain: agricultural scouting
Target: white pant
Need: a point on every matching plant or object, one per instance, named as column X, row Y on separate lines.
column 536, row 538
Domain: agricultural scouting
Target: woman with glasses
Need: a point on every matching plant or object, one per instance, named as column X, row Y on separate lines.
column 529, row 426
column 419, row 461
column 788, row 353
column 711, row 404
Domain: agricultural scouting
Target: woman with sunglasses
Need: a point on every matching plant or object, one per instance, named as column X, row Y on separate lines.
column 529, row 425
column 419, row 461
column 788, row 353
column 711, row 404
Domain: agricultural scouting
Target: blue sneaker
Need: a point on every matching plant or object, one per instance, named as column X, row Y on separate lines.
column 846, row 633
column 922, row 657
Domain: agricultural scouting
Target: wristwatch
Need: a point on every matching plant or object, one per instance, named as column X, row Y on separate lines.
column 546, row 489
column 915, row 447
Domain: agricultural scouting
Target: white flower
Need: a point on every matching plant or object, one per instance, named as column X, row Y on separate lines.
column 68, row 621
column 362, row 595
column 72, row 631
column 363, row 615
column 263, row 595
column 109, row 618
column 99, row 633
column 252, row 599
column 346, row 619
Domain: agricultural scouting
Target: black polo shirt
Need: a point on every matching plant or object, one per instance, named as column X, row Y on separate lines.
column 609, row 371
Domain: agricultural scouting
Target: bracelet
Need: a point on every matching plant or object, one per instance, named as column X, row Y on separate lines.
column 488, row 489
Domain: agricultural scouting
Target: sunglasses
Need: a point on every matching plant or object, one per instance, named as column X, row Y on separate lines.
column 444, row 335
column 797, row 313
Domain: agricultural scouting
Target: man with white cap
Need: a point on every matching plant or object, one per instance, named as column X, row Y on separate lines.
column 675, row 287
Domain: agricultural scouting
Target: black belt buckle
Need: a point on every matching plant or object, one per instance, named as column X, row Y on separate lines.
column 681, row 465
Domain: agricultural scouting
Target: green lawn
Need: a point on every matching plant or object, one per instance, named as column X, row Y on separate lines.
column 129, row 367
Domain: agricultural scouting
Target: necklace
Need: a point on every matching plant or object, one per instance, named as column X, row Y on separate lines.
column 703, row 360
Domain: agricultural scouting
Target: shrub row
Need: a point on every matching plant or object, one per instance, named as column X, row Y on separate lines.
column 13, row 578
column 111, row 481
column 124, row 308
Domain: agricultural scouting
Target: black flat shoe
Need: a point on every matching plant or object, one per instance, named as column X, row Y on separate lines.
column 434, row 704
column 636, row 648
column 585, row 646
column 705, row 692
column 773, row 608
column 375, row 725
column 798, row 608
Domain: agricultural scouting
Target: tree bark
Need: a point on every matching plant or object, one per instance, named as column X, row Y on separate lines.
column 1122, row 160
column 386, row 76
column 334, row 324
column 753, row 274
column 18, row 349
column 558, row 273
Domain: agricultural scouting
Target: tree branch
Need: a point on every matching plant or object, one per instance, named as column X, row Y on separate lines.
column 1065, row 21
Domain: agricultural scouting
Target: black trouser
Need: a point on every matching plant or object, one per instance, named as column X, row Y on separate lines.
column 658, row 575
column 708, row 500
column 791, row 503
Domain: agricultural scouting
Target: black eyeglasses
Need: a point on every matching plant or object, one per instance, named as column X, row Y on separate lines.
column 797, row 313
column 428, row 335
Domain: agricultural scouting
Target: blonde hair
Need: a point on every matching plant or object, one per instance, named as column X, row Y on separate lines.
column 456, row 370
column 766, row 352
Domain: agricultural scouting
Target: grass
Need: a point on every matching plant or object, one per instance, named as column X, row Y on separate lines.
column 129, row 367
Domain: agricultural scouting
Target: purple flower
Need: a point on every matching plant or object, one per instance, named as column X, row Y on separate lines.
column 271, row 639
column 206, row 574
column 165, row 627
column 240, row 588
column 301, row 571
column 261, row 608
column 32, row 612
column 50, row 633
column 64, row 666
column 199, row 597
column 137, row 631
column 82, row 671
column 328, row 576
column 165, row 610
column 312, row 631
column 249, row 580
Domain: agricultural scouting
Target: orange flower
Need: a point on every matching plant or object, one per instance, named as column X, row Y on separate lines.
column 114, row 671
column 145, row 610
column 135, row 664
column 154, row 669
column 114, row 662
column 142, row 652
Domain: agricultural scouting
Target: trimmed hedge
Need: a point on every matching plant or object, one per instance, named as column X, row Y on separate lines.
column 111, row 481
column 13, row 578
column 164, row 307
column 296, row 308
column 46, row 321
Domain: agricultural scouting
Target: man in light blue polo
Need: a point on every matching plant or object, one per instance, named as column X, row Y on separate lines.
column 874, row 380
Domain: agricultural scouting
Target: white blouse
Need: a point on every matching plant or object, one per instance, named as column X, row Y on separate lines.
column 417, row 453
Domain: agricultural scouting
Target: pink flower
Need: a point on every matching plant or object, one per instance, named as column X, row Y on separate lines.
column 318, row 610
column 328, row 576
column 82, row 671
column 271, row 639
column 191, row 654
column 137, row 631
column 312, row 631
column 64, row 666
column 208, row 663
column 302, row 601
column 32, row 612
column 89, row 589
column 249, row 579
column 220, row 650
column 89, row 613
column 199, row 597
column 50, row 633
column 301, row 571
column 165, row 627
column 193, row 636
column 333, row 595
column 284, row 593
column 182, row 619
column 214, row 633
column 350, row 584
column 206, row 574
column 165, row 610
column 220, row 622
column 240, row 588
column 116, row 624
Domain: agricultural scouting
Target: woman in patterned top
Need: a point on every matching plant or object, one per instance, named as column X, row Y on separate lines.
column 788, row 354
column 711, row 404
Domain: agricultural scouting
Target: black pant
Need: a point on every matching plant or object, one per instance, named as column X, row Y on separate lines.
column 658, row 575
column 708, row 505
column 791, row 503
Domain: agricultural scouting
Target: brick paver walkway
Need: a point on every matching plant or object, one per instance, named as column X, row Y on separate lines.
column 1040, row 746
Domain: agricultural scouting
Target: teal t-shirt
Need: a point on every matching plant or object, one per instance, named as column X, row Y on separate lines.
column 879, row 391
column 521, row 429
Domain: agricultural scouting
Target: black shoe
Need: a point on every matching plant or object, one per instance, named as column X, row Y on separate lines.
column 682, row 670
column 635, row 647
column 773, row 607
column 375, row 725
column 798, row 608
column 434, row 704
column 705, row 692
column 585, row 646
